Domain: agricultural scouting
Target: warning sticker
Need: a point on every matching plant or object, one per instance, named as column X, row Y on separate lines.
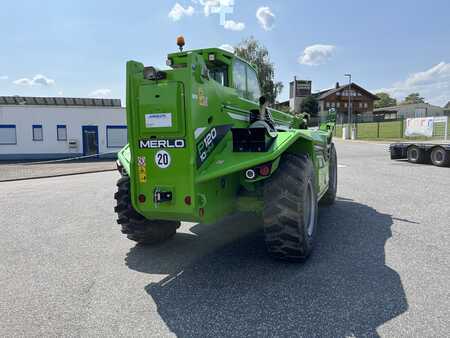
column 141, row 161
column 142, row 169
column 202, row 98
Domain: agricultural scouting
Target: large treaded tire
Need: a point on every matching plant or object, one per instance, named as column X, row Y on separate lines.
column 330, row 195
column 440, row 157
column 290, row 209
column 416, row 155
column 134, row 225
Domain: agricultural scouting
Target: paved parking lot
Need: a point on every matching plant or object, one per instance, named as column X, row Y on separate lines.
column 381, row 264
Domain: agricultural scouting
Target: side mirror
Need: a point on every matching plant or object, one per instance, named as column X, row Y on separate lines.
column 262, row 100
column 262, row 107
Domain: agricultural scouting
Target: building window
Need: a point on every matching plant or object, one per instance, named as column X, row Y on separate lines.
column 366, row 105
column 360, row 105
column 338, row 105
column 116, row 136
column 333, row 104
column 38, row 134
column 8, row 134
column 327, row 104
column 345, row 104
column 61, row 132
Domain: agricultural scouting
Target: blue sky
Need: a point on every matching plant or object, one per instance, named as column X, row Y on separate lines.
column 79, row 48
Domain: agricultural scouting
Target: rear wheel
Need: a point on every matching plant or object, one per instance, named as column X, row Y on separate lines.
column 136, row 226
column 416, row 155
column 330, row 195
column 440, row 157
column 290, row 209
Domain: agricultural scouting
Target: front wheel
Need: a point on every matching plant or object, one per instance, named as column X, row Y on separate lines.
column 330, row 196
column 290, row 209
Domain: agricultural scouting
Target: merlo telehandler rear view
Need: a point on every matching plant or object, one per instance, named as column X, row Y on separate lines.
column 203, row 144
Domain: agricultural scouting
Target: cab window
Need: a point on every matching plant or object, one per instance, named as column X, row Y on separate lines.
column 219, row 74
column 253, row 91
column 239, row 77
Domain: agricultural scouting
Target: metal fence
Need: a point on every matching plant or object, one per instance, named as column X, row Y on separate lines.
column 394, row 129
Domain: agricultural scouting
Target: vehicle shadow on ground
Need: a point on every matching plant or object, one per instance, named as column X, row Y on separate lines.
column 222, row 283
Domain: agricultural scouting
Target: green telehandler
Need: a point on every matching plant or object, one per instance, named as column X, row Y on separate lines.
column 203, row 144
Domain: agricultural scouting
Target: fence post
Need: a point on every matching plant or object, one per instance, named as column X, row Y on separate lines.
column 401, row 127
column 378, row 129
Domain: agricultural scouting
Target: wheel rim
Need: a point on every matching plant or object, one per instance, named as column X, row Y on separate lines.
column 310, row 209
column 438, row 156
column 414, row 154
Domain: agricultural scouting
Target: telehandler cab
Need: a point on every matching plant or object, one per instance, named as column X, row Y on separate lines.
column 203, row 144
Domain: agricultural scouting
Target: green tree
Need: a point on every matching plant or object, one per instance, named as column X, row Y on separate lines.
column 254, row 52
column 385, row 100
column 310, row 105
column 413, row 98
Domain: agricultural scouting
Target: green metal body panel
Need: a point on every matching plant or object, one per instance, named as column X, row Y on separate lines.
column 205, row 169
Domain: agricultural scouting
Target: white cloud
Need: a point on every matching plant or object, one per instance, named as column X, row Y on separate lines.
column 265, row 18
column 101, row 93
column 4, row 77
column 433, row 84
column 227, row 47
column 208, row 5
column 37, row 80
column 178, row 11
column 439, row 72
column 316, row 55
column 234, row 26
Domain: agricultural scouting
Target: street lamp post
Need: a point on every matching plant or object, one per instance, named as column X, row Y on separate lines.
column 349, row 98
column 349, row 93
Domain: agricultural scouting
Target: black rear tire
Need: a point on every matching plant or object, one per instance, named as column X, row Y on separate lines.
column 440, row 157
column 416, row 155
column 134, row 225
column 330, row 196
column 290, row 209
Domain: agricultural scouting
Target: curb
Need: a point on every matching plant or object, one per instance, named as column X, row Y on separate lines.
column 365, row 141
column 57, row 175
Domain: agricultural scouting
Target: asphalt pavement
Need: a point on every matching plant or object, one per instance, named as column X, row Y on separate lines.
column 380, row 266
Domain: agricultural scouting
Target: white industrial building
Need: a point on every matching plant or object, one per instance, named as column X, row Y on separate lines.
column 35, row 128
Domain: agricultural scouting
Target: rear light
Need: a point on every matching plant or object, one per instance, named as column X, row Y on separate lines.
column 201, row 212
column 264, row 170
column 188, row 200
column 141, row 198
